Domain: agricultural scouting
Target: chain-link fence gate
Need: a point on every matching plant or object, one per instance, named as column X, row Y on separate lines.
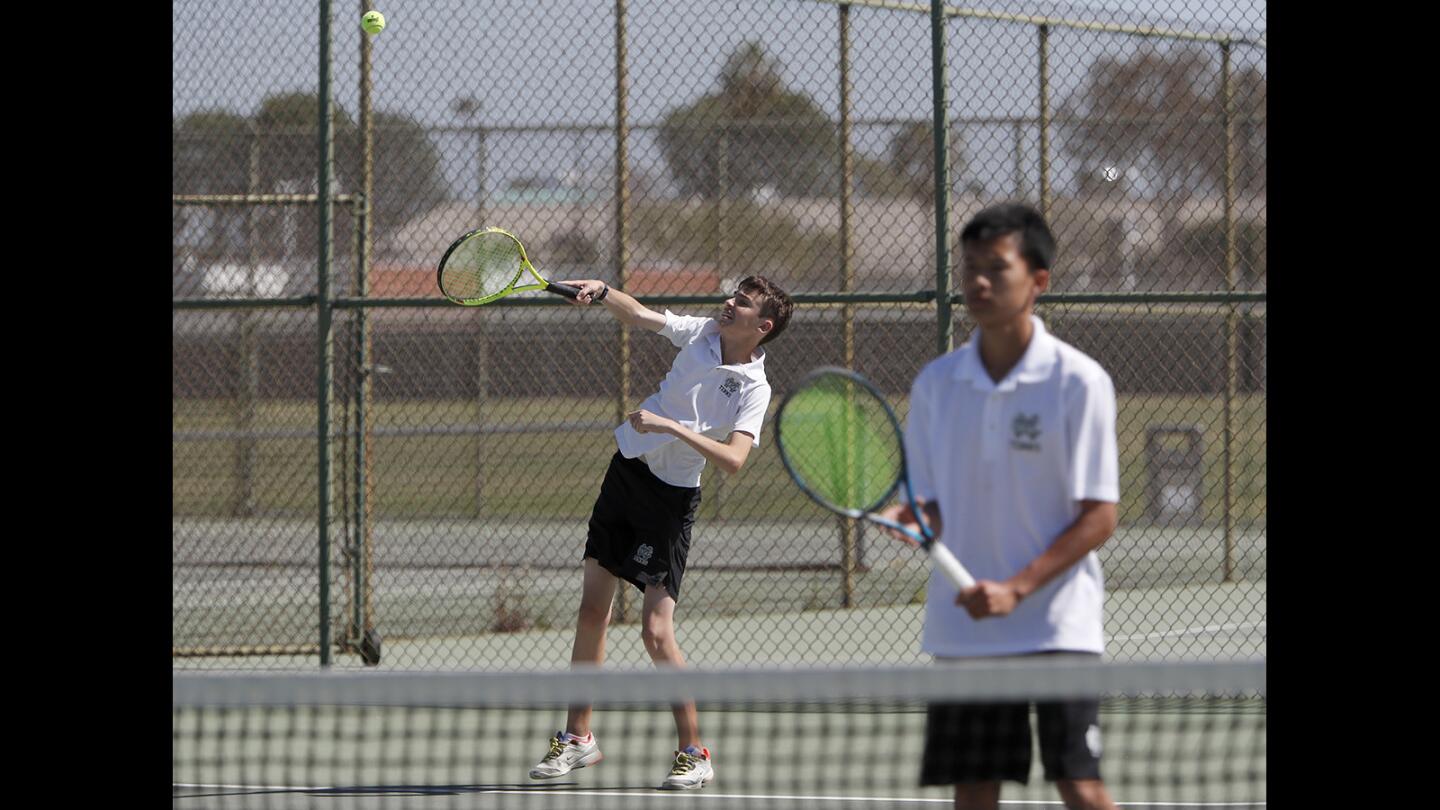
column 449, row 457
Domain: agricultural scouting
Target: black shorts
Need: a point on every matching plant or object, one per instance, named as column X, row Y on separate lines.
column 640, row 527
column 992, row 742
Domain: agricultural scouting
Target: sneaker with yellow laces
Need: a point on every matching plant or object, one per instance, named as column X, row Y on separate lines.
column 567, row 752
column 692, row 769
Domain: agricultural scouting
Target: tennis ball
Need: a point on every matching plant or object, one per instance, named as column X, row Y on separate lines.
column 373, row 22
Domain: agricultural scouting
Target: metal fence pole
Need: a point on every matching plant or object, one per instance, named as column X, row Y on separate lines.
column 482, row 345
column 1045, row 121
column 944, row 320
column 249, row 349
column 849, row 528
column 364, row 486
column 622, row 234
column 325, row 338
column 717, row 479
column 1231, row 315
column 482, row 391
column 1019, row 128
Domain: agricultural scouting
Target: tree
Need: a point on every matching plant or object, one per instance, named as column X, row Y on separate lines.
column 1250, row 131
column 408, row 180
column 752, row 132
column 1161, row 111
column 210, row 154
column 912, row 156
column 213, row 153
column 288, row 134
column 876, row 177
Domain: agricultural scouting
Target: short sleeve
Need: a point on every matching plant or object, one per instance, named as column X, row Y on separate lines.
column 683, row 329
column 1094, row 456
column 754, row 401
column 918, row 443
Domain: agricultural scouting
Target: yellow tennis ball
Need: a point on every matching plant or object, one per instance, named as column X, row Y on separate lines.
column 373, row 22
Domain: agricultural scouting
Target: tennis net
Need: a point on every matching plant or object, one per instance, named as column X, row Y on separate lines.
column 1172, row 734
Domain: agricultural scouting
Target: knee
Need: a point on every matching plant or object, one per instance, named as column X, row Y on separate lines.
column 657, row 634
column 594, row 612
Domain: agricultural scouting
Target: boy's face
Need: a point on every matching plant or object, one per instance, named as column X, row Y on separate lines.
column 740, row 317
column 997, row 282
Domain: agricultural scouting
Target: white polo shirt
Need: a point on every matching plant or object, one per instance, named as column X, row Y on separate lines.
column 1008, row 463
column 703, row 394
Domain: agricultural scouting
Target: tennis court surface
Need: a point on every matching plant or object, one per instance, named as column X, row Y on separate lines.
column 1173, row 735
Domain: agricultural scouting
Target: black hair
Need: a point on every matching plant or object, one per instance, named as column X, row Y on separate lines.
column 1037, row 244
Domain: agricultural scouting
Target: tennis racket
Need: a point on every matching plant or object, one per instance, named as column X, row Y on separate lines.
column 842, row 444
column 488, row 264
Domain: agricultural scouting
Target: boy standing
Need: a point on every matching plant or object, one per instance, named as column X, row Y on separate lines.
column 710, row 407
column 1011, row 440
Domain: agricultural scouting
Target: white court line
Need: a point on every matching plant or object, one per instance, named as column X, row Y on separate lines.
column 1191, row 631
column 660, row 794
column 670, row 794
column 190, row 786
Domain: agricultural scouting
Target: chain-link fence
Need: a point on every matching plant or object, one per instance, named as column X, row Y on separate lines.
column 449, row 457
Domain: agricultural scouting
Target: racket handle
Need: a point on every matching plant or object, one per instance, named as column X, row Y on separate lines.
column 562, row 289
column 949, row 566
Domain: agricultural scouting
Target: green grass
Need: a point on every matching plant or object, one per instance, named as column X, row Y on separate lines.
column 557, row 474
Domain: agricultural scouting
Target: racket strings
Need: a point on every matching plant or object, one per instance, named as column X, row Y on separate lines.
column 482, row 265
column 840, row 442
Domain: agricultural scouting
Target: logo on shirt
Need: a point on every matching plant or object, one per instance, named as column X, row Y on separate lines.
column 642, row 554
column 730, row 386
column 1026, row 429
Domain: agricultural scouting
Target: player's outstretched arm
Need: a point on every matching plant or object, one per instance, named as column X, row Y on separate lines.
column 622, row 305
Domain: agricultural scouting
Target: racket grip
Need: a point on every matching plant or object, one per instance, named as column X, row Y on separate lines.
column 949, row 566
column 562, row 289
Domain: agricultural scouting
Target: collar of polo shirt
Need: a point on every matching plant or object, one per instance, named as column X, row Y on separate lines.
column 1034, row 366
column 753, row 371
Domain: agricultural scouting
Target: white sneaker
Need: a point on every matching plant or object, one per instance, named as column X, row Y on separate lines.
column 691, row 771
column 565, row 756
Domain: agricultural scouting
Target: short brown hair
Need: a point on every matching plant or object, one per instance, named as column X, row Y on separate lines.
column 774, row 303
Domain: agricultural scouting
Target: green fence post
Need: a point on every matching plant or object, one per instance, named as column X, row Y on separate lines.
column 622, row 244
column 1045, row 121
column 362, row 559
column 325, row 343
column 944, row 319
column 849, row 528
column 1231, row 317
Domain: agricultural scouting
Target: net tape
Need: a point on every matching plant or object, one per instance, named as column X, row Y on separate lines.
column 987, row 682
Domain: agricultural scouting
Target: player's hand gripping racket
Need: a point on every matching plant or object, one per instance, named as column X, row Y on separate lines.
column 488, row 264
column 842, row 444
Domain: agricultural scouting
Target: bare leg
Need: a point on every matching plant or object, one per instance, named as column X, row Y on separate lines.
column 590, row 625
column 1085, row 794
column 659, row 635
column 977, row 796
